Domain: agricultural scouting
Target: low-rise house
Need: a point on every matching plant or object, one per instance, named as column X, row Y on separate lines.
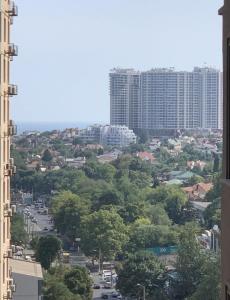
column 196, row 164
column 181, row 175
column 146, row 156
column 77, row 162
column 155, row 144
column 198, row 191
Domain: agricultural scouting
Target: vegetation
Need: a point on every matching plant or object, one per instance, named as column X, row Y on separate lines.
column 18, row 233
column 47, row 250
column 62, row 283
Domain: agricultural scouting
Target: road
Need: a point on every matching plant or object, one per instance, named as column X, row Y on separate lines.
column 98, row 292
column 43, row 221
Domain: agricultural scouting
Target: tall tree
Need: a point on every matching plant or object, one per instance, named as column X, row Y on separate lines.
column 142, row 270
column 103, row 234
column 47, row 250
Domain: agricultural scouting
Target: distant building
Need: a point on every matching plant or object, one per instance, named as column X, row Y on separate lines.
column 124, row 97
column 146, row 156
column 90, row 134
column 165, row 99
column 115, row 135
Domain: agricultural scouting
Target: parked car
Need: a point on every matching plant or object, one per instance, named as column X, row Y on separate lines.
column 96, row 286
column 104, row 296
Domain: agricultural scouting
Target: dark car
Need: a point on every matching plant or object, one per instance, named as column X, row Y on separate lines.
column 105, row 296
column 96, row 286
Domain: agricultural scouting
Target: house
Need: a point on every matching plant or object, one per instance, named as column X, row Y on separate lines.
column 198, row 164
column 198, row 191
column 146, row 156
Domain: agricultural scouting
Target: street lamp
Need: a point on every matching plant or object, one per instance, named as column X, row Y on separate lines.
column 143, row 287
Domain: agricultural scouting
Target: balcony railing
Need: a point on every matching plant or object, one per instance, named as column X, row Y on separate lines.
column 12, row 128
column 13, row 10
column 12, row 50
column 12, row 90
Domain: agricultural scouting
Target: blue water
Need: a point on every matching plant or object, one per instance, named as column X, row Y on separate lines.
column 49, row 126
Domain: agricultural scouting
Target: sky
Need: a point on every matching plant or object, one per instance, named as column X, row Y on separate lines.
column 66, row 49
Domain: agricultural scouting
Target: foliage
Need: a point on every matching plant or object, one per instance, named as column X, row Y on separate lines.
column 210, row 283
column 149, row 236
column 68, row 209
column 55, row 287
column 78, row 282
column 190, row 261
column 18, row 233
column 141, row 269
column 173, row 200
column 103, row 233
column 212, row 214
column 47, row 156
column 47, row 250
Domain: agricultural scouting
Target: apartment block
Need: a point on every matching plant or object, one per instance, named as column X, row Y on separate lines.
column 165, row 99
column 8, row 50
column 117, row 135
column 124, row 97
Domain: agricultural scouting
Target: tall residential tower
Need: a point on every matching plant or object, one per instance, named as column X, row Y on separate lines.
column 164, row 99
column 7, row 11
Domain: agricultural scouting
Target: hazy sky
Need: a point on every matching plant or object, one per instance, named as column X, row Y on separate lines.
column 68, row 47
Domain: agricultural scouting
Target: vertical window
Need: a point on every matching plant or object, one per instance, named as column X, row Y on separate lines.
column 4, row 232
column 4, row 272
column 4, row 29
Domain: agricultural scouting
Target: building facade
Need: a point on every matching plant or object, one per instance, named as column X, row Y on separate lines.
column 117, row 135
column 165, row 99
column 7, row 11
column 225, row 204
column 124, row 97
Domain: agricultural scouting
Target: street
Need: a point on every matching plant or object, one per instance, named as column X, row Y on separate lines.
column 97, row 293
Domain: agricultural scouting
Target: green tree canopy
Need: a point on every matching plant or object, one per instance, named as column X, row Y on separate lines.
column 78, row 282
column 103, row 232
column 47, row 250
column 141, row 269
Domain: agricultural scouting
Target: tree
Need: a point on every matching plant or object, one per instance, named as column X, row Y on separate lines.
column 190, row 262
column 47, row 156
column 78, row 282
column 47, row 250
column 68, row 209
column 141, row 269
column 195, row 179
column 103, row 234
column 18, row 233
column 58, row 291
column 210, row 284
column 173, row 200
column 149, row 236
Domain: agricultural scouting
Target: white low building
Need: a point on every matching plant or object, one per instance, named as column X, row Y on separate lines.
column 117, row 135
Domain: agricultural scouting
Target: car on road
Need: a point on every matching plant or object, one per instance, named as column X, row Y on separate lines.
column 104, row 296
column 45, row 228
column 116, row 295
column 96, row 286
column 107, row 286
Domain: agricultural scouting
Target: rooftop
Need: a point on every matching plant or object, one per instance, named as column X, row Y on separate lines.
column 28, row 268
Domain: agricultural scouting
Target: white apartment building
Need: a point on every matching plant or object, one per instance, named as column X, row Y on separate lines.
column 166, row 99
column 117, row 135
column 91, row 134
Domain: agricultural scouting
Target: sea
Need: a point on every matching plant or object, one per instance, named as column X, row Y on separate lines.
column 49, row 126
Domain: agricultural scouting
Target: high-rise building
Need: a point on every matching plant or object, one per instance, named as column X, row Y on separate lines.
column 225, row 203
column 124, row 97
column 7, row 11
column 163, row 99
